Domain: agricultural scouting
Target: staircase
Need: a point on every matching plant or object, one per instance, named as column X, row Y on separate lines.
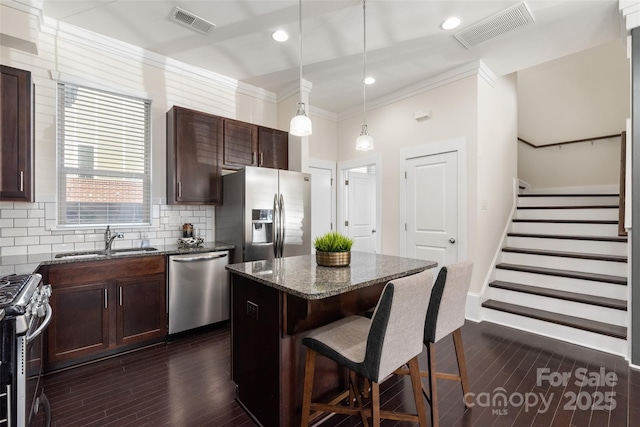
column 562, row 271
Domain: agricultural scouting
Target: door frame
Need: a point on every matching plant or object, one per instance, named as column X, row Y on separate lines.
column 343, row 166
column 458, row 145
column 327, row 164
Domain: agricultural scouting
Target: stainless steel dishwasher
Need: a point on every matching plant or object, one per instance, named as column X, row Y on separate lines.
column 198, row 290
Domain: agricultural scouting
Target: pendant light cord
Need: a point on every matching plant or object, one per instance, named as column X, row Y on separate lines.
column 300, row 37
column 364, row 62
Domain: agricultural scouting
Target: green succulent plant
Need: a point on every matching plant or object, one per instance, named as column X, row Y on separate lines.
column 333, row 242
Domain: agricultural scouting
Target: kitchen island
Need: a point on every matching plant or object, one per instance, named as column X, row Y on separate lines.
column 275, row 303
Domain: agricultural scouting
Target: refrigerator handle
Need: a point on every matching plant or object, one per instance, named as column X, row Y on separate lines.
column 275, row 230
column 282, row 226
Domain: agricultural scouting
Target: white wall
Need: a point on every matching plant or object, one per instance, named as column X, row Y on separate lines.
column 76, row 56
column 323, row 143
column 393, row 127
column 579, row 96
column 497, row 169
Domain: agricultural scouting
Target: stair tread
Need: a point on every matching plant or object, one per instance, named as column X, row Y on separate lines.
column 560, row 319
column 622, row 239
column 618, row 280
column 564, row 295
column 563, row 254
column 571, row 207
column 568, row 221
column 569, row 195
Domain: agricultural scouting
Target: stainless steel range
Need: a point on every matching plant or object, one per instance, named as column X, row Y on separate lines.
column 25, row 313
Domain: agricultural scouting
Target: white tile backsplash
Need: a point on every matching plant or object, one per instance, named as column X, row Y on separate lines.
column 27, row 228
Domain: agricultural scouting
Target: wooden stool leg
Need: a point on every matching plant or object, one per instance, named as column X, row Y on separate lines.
column 309, row 368
column 414, row 371
column 375, row 403
column 433, row 393
column 462, row 366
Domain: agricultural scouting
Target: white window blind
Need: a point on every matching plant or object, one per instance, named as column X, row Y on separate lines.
column 104, row 143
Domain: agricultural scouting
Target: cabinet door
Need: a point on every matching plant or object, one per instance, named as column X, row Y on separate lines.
column 274, row 148
column 240, row 144
column 80, row 324
column 142, row 309
column 15, row 135
column 194, row 157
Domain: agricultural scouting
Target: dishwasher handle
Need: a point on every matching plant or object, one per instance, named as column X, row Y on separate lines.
column 196, row 258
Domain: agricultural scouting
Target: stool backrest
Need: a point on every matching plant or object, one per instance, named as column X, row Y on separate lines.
column 448, row 301
column 397, row 325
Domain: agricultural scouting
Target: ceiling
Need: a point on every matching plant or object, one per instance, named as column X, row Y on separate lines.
column 405, row 45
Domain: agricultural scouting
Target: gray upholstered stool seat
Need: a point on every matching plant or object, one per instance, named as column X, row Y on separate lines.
column 374, row 348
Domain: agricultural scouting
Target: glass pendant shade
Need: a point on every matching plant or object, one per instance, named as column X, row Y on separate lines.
column 300, row 123
column 364, row 141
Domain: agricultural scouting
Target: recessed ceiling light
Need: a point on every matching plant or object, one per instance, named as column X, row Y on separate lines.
column 451, row 23
column 369, row 80
column 280, row 36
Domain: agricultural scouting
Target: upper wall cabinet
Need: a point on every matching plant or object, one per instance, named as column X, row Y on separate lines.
column 16, row 143
column 251, row 145
column 194, row 157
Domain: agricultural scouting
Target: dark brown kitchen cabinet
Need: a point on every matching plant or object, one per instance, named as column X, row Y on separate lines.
column 251, row 145
column 104, row 307
column 194, row 157
column 16, row 142
column 240, row 144
column 274, row 148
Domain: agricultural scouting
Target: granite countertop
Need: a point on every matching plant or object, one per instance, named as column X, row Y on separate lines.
column 302, row 277
column 22, row 264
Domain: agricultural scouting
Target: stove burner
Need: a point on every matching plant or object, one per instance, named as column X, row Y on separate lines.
column 10, row 287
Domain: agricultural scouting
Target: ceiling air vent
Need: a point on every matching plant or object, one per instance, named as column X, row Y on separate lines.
column 190, row 20
column 502, row 22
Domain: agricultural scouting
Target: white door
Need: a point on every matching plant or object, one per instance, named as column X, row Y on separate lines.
column 322, row 201
column 432, row 207
column 361, row 208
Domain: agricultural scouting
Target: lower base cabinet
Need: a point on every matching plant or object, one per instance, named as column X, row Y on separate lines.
column 96, row 314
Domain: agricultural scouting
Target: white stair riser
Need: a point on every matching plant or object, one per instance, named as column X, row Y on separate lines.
column 562, row 263
column 571, row 229
column 564, row 333
column 555, row 305
column 568, row 201
column 569, row 245
column 579, row 214
column 588, row 287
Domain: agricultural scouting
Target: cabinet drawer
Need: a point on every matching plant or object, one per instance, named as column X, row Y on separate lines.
column 96, row 271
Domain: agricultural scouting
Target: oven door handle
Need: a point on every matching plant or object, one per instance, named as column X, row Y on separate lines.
column 43, row 326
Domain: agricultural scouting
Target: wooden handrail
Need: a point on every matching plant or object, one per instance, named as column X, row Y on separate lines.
column 569, row 142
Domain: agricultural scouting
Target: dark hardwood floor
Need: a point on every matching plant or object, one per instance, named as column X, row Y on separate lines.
column 186, row 382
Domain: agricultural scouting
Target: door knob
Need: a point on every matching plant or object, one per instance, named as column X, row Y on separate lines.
column 452, row 240
column 373, row 231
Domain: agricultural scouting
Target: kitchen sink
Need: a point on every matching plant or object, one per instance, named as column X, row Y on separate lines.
column 103, row 254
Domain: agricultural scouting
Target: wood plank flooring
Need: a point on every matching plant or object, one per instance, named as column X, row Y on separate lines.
column 186, row 382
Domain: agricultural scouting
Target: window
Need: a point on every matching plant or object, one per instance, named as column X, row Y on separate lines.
column 104, row 143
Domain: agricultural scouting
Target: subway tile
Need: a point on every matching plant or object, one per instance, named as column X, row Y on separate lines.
column 26, row 268
column 48, row 240
column 87, row 246
column 38, row 231
column 25, row 241
column 50, row 224
column 36, row 213
column 29, row 222
column 39, row 249
column 13, row 213
column 73, row 238
column 92, row 237
column 6, row 205
column 13, row 232
column 13, row 250
column 6, row 241
column 6, row 270
column 63, row 247
column 6, row 223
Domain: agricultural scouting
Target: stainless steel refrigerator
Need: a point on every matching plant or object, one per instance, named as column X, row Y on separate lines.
column 265, row 213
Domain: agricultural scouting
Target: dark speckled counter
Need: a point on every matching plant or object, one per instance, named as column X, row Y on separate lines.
column 275, row 303
column 300, row 276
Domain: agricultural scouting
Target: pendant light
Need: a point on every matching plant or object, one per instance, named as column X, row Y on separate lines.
column 364, row 141
column 300, row 124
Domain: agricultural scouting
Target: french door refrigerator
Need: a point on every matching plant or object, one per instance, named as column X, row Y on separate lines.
column 265, row 213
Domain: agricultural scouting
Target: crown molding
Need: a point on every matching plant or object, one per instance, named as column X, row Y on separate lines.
column 323, row 114
column 293, row 89
column 474, row 68
column 89, row 39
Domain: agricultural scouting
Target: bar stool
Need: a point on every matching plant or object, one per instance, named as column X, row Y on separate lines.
column 445, row 316
column 373, row 349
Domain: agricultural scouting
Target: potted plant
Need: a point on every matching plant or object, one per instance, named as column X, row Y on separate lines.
column 333, row 249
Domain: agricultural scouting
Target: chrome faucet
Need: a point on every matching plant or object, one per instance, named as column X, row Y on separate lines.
column 109, row 238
